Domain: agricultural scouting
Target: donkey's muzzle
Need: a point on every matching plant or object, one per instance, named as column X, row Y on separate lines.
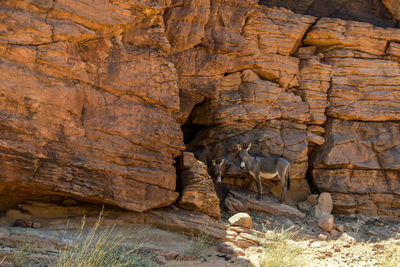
column 242, row 165
column 219, row 180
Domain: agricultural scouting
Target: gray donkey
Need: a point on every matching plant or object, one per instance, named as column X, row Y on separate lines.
column 267, row 168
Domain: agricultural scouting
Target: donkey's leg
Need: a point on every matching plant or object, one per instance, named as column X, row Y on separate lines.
column 282, row 176
column 259, row 187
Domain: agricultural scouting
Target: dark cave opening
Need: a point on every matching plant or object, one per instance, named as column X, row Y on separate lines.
column 370, row 11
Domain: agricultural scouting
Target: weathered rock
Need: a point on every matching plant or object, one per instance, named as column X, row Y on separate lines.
column 364, row 89
column 335, row 33
column 93, row 96
column 314, row 84
column 23, row 223
column 322, row 237
column 93, row 117
column 238, row 201
column 325, row 222
column 275, row 31
column 241, row 219
column 304, row 207
column 368, row 166
column 198, row 193
column 230, row 248
column 313, row 199
column 393, row 7
column 394, row 49
column 324, row 205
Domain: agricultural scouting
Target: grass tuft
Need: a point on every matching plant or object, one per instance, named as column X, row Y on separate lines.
column 281, row 250
column 100, row 247
column 199, row 245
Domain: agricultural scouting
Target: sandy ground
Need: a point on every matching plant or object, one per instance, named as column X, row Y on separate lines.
column 368, row 241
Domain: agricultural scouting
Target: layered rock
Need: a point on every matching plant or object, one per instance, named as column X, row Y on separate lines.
column 93, row 94
column 360, row 159
column 75, row 119
column 198, row 193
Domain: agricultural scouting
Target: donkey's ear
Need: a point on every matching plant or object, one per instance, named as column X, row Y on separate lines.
column 213, row 162
column 222, row 162
column 239, row 147
column 248, row 148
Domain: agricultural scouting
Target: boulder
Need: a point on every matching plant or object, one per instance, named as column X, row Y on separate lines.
column 241, row 219
column 324, row 205
column 198, row 193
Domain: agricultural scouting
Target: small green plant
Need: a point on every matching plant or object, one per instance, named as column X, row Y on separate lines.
column 199, row 245
column 391, row 255
column 281, row 250
column 100, row 247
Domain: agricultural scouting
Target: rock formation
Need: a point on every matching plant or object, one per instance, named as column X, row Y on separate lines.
column 93, row 96
column 198, row 193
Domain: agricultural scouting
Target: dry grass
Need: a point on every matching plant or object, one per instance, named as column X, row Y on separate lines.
column 199, row 245
column 281, row 250
column 98, row 246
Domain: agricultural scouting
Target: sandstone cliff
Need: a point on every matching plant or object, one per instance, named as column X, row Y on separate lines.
column 93, row 94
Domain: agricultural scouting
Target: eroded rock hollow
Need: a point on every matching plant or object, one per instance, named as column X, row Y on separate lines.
column 93, row 95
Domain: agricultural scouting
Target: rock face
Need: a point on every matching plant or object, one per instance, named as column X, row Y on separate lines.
column 198, row 193
column 86, row 103
column 94, row 93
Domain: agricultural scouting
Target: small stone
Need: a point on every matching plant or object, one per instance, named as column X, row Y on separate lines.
column 340, row 228
column 326, row 223
column 23, row 223
column 288, row 222
column 322, row 237
column 378, row 224
column 397, row 236
column 378, row 246
column 313, row 199
column 371, row 232
column 241, row 219
column 36, row 225
column 347, row 238
column 334, row 233
column 317, row 244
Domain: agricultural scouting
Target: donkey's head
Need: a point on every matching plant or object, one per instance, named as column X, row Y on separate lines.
column 243, row 155
column 215, row 170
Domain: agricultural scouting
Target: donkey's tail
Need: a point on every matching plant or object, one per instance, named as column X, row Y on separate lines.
column 288, row 179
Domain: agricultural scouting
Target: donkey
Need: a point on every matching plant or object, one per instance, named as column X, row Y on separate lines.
column 267, row 168
column 215, row 170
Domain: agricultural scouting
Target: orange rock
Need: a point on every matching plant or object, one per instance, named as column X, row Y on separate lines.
column 326, row 223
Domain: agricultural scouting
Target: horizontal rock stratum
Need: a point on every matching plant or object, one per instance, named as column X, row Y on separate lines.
column 93, row 95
